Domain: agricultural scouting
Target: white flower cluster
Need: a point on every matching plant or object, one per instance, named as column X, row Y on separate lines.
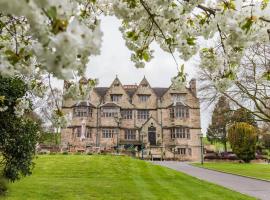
column 60, row 39
column 63, row 34
column 22, row 105
column 80, row 91
column 61, row 121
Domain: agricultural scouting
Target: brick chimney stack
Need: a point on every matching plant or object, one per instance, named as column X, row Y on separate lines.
column 192, row 86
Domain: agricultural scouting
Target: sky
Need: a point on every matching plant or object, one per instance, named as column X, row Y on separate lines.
column 115, row 60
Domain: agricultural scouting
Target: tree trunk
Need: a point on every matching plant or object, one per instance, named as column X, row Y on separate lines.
column 225, row 146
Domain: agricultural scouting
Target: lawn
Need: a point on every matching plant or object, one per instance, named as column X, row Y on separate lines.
column 261, row 171
column 84, row 177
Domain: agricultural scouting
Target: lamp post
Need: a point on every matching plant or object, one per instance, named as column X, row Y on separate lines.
column 118, row 121
column 201, row 140
column 142, row 144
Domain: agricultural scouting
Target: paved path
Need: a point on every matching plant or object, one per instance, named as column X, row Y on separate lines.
column 256, row 188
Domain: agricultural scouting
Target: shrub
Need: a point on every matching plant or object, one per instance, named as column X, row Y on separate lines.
column 3, row 186
column 266, row 141
column 65, row 153
column 243, row 138
column 52, row 153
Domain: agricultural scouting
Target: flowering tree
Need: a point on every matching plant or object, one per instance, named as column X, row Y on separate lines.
column 60, row 36
column 250, row 87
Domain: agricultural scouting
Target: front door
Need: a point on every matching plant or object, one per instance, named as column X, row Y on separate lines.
column 152, row 135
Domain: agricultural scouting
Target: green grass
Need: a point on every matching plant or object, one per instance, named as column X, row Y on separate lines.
column 261, row 171
column 82, row 177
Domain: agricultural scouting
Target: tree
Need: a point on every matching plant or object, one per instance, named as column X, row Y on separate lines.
column 59, row 37
column 243, row 137
column 19, row 133
column 217, row 130
column 243, row 115
column 250, row 88
column 266, row 141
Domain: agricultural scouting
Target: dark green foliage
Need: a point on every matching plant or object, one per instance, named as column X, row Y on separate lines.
column 18, row 134
column 216, row 131
column 243, row 115
column 243, row 137
column 49, row 138
column 266, row 141
column 3, row 186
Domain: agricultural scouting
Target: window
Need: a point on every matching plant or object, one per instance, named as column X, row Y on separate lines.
column 108, row 133
column 143, row 114
column 116, row 97
column 82, row 112
column 179, row 112
column 109, row 112
column 88, row 133
column 126, row 114
column 180, row 132
column 178, row 97
column 181, row 151
column 130, row 134
column 189, row 151
column 78, row 132
column 143, row 98
column 188, row 133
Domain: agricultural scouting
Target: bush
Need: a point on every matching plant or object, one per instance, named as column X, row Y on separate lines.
column 89, row 153
column 65, row 153
column 211, row 156
column 243, row 138
column 3, row 186
column 52, row 153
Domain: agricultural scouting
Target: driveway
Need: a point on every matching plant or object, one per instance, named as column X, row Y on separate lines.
column 256, row 188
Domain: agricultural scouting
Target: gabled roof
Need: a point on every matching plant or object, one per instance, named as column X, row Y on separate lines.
column 83, row 104
column 149, row 120
column 110, row 104
column 101, row 91
column 160, row 91
column 179, row 103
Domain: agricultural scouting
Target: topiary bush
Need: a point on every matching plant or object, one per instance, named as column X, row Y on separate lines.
column 243, row 137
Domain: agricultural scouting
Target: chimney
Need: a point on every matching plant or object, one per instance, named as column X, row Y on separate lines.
column 192, row 86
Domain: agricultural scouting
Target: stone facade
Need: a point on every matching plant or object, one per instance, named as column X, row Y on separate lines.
column 155, row 122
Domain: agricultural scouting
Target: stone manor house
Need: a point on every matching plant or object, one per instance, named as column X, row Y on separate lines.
column 155, row 122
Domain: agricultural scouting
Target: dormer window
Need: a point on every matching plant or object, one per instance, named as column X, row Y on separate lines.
column 116, row 97
column 143, row 97
column 144, row 85
column 178, row 97
column 82, row 111
column 110, row 112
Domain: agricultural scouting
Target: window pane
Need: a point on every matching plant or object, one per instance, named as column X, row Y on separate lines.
column 126, row 114
column 143, row 98
column 130, row 134
column 143, row 114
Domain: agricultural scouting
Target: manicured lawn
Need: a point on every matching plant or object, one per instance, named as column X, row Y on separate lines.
column 261, row 171
column 84, row 177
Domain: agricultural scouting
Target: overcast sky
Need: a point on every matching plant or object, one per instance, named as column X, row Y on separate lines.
column 115, row 60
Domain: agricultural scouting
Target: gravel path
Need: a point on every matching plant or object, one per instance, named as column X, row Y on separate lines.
column 256, row 188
